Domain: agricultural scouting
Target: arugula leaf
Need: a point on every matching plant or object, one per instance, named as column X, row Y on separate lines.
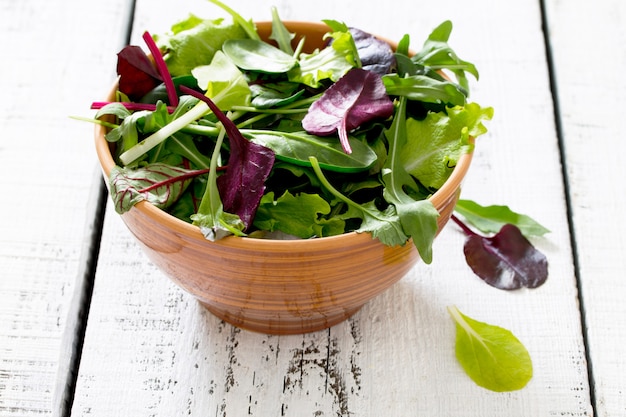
column 437, row 54
column 300, row 215
column 382, row 225
column 424, row 88
column 356, row 98
column 418, row 217
column 159, row 184
column 280, row 34
column 490, row 219
column 490, row 355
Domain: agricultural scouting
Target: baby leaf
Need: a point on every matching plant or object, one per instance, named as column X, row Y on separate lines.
column 297, row 147
column 507, row 260
column 490, row 355
column 298, row 215
column 418, row 217
column 158, row 183
column 490, row 219
column 358, row 97
column 256, row 55
column 382, row 225
column 375, row 55
column 136, row 71
column 249, row 165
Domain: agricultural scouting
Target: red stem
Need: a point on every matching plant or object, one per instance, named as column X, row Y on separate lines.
column 183, row 177
column 466, row 230
column 162, row 68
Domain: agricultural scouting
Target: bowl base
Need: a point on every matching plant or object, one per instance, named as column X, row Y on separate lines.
column 282, row 326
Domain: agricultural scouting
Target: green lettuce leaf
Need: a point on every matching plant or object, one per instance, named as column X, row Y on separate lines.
column 329, row 63
column 299, row 215
column 434, row 145
column 193, row 42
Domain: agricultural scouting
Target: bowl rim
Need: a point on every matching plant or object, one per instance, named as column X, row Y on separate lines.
column 191, row 231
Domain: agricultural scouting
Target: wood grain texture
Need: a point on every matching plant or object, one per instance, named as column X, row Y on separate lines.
column 591, row 113
column 46, row 175
column 150, row 350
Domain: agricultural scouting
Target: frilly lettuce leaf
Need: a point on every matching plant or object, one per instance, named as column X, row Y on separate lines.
column 194, row 41
column 434, row 145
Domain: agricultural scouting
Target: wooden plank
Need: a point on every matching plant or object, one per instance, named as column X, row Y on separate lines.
column 51, row 62
column 587, row 45
column 151, row 350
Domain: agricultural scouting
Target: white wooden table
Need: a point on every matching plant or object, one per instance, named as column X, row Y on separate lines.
column 89, row 327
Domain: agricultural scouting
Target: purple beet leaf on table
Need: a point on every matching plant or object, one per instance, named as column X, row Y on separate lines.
column 506, row 260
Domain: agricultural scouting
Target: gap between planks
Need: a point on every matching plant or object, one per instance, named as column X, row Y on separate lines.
column 558, row 123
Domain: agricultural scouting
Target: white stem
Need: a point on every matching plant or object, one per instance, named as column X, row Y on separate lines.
column 166, row 131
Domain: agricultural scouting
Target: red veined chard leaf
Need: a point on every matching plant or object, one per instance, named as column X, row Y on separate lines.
column 357, row 97
column 249, row 165
column 158, row 183
column 137, row 73
column 506, row 260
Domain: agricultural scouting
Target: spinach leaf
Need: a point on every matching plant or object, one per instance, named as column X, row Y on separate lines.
column 297, row 147
column 490, row 355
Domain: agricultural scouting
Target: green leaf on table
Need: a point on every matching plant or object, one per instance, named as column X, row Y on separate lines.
column 490, row 219
column 490, row 355
column 300, row 215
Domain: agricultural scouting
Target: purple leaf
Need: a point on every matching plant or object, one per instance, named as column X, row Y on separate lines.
column 357, row 97
column 249, row 165
column 507, row 260
column 375, row 55
column 137, row 73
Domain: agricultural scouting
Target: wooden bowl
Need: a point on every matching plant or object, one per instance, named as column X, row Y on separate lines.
column 275, row 286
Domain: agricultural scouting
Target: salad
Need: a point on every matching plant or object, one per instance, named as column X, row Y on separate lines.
column 269, row 138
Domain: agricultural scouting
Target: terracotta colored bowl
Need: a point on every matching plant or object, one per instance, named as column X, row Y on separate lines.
column 274, row 286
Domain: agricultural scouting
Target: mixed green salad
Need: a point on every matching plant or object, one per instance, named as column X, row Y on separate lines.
column 247, row 137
